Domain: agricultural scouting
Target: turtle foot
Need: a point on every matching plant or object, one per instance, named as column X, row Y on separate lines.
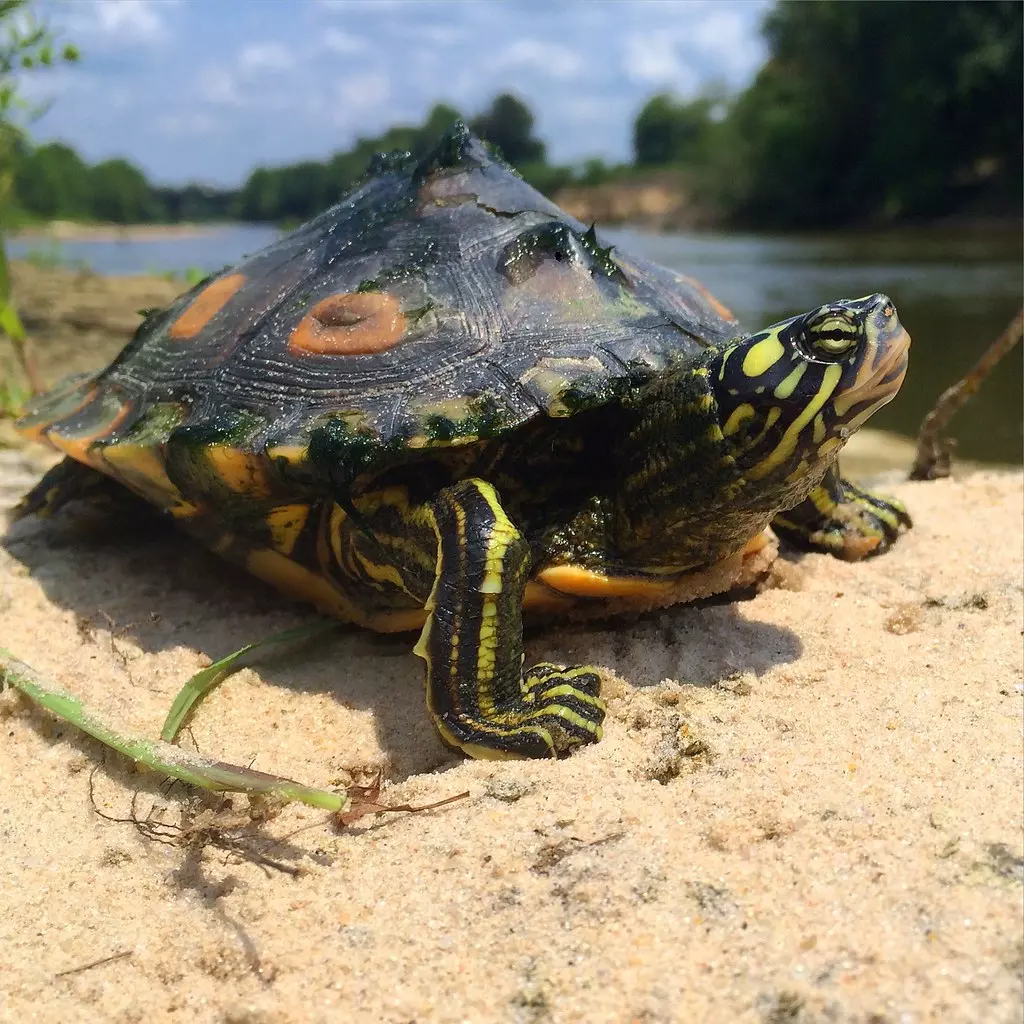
column 560, row 710
column 844, row 520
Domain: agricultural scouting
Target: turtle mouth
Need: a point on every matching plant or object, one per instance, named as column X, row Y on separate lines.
column 879, row 377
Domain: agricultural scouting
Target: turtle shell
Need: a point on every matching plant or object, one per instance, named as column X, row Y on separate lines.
column 442, row 301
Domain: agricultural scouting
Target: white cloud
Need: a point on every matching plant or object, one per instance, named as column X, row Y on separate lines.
column 217, row 84
column 654, row 58
column 725, row 34
column 265, row 57
column 550, row 59
column 360, row 92
column 238, row 84
column 193, row 122
column 337, row 41
column 126, row 21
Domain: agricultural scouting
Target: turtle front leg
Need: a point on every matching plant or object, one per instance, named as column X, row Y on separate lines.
column 844, row 520
column 472, row 641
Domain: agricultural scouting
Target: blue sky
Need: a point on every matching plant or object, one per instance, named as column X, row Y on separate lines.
column 205, row 90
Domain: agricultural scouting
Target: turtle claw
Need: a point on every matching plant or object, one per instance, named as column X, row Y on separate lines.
column 65, row 482
column 844, row 520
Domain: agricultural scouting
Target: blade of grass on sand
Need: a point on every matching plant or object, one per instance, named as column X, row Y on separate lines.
column 206, row 679
column 176, row 762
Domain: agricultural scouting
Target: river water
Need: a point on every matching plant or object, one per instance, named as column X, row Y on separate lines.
column 955, row 292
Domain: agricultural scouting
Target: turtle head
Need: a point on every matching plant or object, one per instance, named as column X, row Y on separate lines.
column 790, row 396
column 723, row 445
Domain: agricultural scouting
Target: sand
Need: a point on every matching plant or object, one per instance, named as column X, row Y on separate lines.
column 807, row 806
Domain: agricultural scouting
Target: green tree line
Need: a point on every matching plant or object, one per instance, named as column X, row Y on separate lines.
column 51, row 181
column 870, row 112
column 863, row 112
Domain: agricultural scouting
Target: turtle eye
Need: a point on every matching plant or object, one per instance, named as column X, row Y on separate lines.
column 831, row 332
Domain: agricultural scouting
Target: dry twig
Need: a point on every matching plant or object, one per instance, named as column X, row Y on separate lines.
column 934, row 454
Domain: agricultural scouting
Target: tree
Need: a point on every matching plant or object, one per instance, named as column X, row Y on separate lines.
column 667, row 131
column 508, row 124
column 25, row 44
column 439, row 120
column 298, row 191
column 121, row 194
column 51, row 182
column 871, row 110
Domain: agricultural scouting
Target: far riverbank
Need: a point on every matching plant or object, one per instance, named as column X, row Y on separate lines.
column 75, row 231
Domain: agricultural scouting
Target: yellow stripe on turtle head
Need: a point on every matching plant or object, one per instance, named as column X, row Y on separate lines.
column 763, row 355
column 787, row 445
column 788, row 386
column 737, row 418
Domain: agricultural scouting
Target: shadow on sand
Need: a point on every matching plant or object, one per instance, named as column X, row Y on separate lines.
column 128, row 569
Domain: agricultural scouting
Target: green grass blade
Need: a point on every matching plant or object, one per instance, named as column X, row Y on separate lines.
column 10, row 323
column 185, row 765
column 206, row 679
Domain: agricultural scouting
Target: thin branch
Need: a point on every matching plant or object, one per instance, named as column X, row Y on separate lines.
column 934, row 454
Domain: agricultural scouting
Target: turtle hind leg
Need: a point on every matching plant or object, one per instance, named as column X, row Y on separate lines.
column 67, row 481
column 480, row 697
column 843, row 519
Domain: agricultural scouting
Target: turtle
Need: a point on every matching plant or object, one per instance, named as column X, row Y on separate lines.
column 443, row 404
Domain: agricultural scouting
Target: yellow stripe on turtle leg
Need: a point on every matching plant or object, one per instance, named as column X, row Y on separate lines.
column 840, row 518
column 472, row 640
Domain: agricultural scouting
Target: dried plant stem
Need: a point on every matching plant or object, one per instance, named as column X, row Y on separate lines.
column 934, row 454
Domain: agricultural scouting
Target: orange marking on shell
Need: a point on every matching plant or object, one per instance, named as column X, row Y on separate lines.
column 348, row 324
column 205, row 306
column 720, row 308
column 35, row 432
column 35, row 429
column 78, row 446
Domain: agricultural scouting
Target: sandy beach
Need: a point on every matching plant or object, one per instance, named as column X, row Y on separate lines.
column 807, row 806
column 76, row 231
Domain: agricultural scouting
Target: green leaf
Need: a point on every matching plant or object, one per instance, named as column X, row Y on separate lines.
column 206, row 679
column 10, row 322
column 186, row 765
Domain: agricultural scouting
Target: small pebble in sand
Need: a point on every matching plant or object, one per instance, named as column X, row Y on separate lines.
column 906, row 618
